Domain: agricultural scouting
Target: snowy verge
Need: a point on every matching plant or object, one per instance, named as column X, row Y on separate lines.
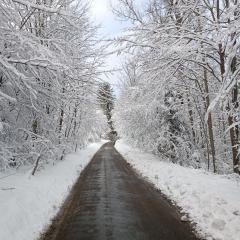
column 211, row 202
column 27, row 203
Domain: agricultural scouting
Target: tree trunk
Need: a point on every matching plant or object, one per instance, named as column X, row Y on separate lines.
column 234, row 131
column 190, row 112
column 36, row 165
column 61, row 119
column 210, row 122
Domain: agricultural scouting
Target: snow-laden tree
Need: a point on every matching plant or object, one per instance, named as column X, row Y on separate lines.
column 49, row 61
column 106, row 99
column 106, row 102
column 185, row 96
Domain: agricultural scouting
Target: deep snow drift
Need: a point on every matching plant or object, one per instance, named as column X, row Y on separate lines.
column 28, row 203
column 210, row 201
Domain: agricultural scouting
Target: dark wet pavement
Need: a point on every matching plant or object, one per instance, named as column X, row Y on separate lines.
column 110, row 202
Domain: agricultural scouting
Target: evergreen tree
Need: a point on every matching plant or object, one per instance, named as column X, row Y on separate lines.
column 106, row 101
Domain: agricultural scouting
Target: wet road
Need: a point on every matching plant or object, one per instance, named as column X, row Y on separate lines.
column 110, row 202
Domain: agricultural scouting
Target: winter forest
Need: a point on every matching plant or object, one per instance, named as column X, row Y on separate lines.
column 173, row 94
column 179, row 86
column 50, row 61
column 180, row 91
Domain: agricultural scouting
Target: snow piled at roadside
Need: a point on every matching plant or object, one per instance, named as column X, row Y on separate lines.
column 210, row 201
column 27, row 203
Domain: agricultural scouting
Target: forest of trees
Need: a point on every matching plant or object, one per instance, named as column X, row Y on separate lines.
column 49, row 63
column 106, row 101
column 180, row 91
column 181, row 83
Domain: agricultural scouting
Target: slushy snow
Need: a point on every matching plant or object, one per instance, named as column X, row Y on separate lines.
column 28, row 203
column 210, row 201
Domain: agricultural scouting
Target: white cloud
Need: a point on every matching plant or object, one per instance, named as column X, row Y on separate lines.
column 101, row 9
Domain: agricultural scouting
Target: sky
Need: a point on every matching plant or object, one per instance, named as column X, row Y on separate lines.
column 110, row 27
column 102, row 13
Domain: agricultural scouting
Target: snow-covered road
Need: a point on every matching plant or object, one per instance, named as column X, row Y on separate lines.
column 210, row 201
column 111, row 202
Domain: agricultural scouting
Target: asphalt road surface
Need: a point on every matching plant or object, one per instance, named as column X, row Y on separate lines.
column 111, row 202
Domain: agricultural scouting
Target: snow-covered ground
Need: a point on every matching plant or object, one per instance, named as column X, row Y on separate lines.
column 210, row 201
column 28, row 203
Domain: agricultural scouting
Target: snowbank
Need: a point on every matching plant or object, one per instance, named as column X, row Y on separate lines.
column 28, row 203
column 210, row 201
